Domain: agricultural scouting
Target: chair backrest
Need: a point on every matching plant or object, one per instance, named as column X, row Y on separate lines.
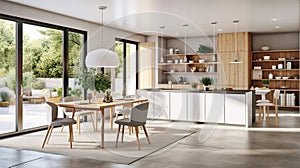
column 68, row 99
column 54, row 110
column 139, row 112
column 276, row 94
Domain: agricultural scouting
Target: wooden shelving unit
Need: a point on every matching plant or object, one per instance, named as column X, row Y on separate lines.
column 286, row 86
column 182, row 64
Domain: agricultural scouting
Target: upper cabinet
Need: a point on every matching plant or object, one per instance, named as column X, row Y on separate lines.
column 236, row 76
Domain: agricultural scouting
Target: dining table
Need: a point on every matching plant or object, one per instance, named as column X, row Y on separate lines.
column 100, row 107
column 262, row 93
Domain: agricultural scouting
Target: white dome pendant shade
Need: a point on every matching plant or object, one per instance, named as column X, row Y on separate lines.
column 102, row 57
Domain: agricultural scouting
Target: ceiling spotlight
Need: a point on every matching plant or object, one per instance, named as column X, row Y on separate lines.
column 276, row 27
column 274, row 19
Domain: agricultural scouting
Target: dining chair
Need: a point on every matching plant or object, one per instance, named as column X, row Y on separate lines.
column 80, row 113
column 268, row 104
column 138, row 117
column 58, row 122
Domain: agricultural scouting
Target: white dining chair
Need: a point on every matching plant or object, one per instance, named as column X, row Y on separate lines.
column 268, row 104
column 80, row 113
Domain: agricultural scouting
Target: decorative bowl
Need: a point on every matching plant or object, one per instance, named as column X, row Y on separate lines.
column 278, row 77
column 201, row 61
column 265, row 48
column 266, row 57
column 285, row 77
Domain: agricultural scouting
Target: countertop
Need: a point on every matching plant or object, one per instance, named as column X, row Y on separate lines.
column 200, row 91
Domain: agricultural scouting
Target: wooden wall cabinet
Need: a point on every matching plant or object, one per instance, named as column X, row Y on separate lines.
column 261, row 69
column 236, row 76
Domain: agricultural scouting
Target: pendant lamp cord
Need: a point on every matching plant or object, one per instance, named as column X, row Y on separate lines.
column 102, row 29
column 235, row 38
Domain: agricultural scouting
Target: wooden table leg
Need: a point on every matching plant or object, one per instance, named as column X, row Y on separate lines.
column 102, row 127
column 96, row 128
column 111, row 117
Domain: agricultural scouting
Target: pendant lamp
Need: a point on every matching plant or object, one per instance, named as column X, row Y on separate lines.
column 185, row 57
column 102, row 57
column 214, row 59
column 235, row 57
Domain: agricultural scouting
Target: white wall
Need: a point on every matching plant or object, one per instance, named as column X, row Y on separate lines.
column 94, row 30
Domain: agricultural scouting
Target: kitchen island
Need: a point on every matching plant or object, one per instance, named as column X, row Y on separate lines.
column 223, row 107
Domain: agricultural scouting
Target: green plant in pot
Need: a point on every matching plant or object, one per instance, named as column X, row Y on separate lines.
column 4, row 99
column 206, row 81
column 102, row 84
column 265, row 82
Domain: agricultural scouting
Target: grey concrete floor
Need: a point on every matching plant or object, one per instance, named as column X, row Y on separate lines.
column 227, row 146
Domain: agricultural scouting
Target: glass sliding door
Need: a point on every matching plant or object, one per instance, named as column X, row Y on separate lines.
column 126, row 73
column 42, row 72
column 7, row 76
column 75, row 62
column 118, row 84
column 131, row 73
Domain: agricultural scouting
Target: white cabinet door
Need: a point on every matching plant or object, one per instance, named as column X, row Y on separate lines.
column 162, row 103
column 178, row 106
column 214, row 107
column 196, row 107
column 235, row 109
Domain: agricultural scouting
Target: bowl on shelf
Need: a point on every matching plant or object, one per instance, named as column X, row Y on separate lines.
column 285, row 77
column 266, row 57
column 278, row 77
column 172, row 70
column 169, row 61
column 201, row 61
column 265, row 48
column 191, row 61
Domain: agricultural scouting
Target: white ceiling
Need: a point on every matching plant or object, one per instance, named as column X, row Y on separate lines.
column 146, row 16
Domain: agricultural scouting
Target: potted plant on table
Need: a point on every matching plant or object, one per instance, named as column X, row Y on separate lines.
column 4, row 99
column 265, row 82
column 206, row 81
column 102, row 84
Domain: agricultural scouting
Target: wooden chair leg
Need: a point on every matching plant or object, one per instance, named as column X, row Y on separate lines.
column 144, row 128
column 111, row 118
column 137, row 138
column 119, row 128
column 51, row 130
column 260, row 112
column 46, row 137
column 268, row 111
column 62, row 128
column 78, row 124
column 70, row 134
column 122, row 133
column 93, row 124
column 276, row 111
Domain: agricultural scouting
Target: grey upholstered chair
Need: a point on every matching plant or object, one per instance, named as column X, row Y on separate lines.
column 138, row 117
column 68, row 112
column 58, row 122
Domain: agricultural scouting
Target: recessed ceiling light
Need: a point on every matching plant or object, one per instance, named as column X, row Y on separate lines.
column 274, row 19
column 276, row 27
column 219, row 30
column 176, row 33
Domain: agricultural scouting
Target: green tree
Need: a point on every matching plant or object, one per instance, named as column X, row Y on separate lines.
column 7, row 47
